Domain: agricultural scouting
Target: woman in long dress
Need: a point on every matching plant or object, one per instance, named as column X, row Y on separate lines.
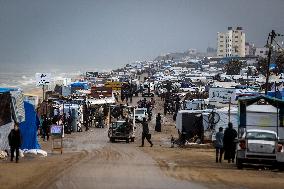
column 158, row 123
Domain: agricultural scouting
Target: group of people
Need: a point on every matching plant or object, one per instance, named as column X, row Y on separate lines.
column 225, row 142
column 172, row 103
column 147, row 104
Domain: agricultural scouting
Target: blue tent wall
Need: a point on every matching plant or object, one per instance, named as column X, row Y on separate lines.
column 29, row 128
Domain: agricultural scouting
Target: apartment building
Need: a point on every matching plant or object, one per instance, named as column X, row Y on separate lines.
column 231, row 43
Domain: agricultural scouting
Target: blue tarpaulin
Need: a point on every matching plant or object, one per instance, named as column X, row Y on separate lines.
column 83, row 85
column 29, row 128
column 4, row 90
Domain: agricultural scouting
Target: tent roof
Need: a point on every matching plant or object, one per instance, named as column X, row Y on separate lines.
column 110, row 100
column 271, row 100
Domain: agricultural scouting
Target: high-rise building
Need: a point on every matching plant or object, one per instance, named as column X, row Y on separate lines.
column 231, row 43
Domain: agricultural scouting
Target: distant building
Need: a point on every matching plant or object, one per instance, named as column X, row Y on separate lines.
column 212, row 52
column 192, row 51
column 231, row 43
column 261, row 52
column 249, row 49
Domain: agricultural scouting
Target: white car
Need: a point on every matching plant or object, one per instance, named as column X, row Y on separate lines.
column 140, row 113
column 258, row 146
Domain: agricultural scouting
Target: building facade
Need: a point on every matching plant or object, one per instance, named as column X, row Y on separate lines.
column 261, row 52
column 249, row 49
column 231, row 43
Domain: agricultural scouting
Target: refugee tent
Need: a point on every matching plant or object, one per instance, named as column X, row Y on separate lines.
column 11, row 108
column 6, row 123
column 267, row 117
column 79, row 85
column 73, row 110
column 29, row 128
column 110, row 100
column 190, row 124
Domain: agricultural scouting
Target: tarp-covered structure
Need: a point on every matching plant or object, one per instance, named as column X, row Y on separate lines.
column 271, row 119
column 6, row 123
column 190, row 124
column 29, row 128
column 79, row 86
column 11, row 110
column 110, row 100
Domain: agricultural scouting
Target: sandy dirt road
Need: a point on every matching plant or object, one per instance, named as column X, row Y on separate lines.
column 120, row 166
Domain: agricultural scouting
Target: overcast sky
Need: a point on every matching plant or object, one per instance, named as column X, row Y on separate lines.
column 104, row 34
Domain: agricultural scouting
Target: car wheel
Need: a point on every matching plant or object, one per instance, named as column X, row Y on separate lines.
column 239, row 163
column 112, row 140
column 127, row 140
column 132, row 139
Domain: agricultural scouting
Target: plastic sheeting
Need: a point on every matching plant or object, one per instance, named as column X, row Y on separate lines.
column 5, row 108
column 29, row 128
column 4, row 132
column 18, row 105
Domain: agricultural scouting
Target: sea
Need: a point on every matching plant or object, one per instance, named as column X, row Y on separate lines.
column 27, row 80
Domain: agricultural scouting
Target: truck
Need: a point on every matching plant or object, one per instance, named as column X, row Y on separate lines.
column 121, row 123
column 260, row 135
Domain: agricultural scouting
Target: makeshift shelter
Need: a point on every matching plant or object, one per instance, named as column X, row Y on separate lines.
column 11, row 110
column 79, row 86
column 76, row 112
column 29, row 128
column 268, row 118
column 190, row 124
column 6, row 123
column 109, row 100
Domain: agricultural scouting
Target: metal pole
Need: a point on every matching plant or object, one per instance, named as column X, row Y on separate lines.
column 229, row 110
column 272, row 35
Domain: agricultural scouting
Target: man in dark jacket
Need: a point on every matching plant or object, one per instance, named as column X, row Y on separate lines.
column 230, row 135
column 145, row 133
column 14, row 138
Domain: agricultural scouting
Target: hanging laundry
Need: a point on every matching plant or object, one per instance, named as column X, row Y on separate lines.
column 18, row 105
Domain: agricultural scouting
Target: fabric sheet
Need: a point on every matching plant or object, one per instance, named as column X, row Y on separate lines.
column 5, row 108
column 4, row 132
column 29, row 128
column 18, row 105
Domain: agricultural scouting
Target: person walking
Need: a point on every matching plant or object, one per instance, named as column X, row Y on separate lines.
column 219, row 145
column 229, row 143
column 15, row 141
column 145, row 133
column 158, row 123
column 45, row 128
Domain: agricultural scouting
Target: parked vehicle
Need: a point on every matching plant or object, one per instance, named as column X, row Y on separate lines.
column 145, row 94
column 140, row 113
column 120, row 130
column 122, row 124
column 258, row 146
column 261, row 135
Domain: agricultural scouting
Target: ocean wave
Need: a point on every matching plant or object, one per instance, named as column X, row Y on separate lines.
column 27, row 81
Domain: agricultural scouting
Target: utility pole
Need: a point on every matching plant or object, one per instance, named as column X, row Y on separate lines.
column 272, row 35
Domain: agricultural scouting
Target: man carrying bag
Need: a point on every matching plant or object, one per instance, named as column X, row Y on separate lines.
column 145, row 133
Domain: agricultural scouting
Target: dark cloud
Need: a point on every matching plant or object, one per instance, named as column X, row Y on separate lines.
column 81, row 34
